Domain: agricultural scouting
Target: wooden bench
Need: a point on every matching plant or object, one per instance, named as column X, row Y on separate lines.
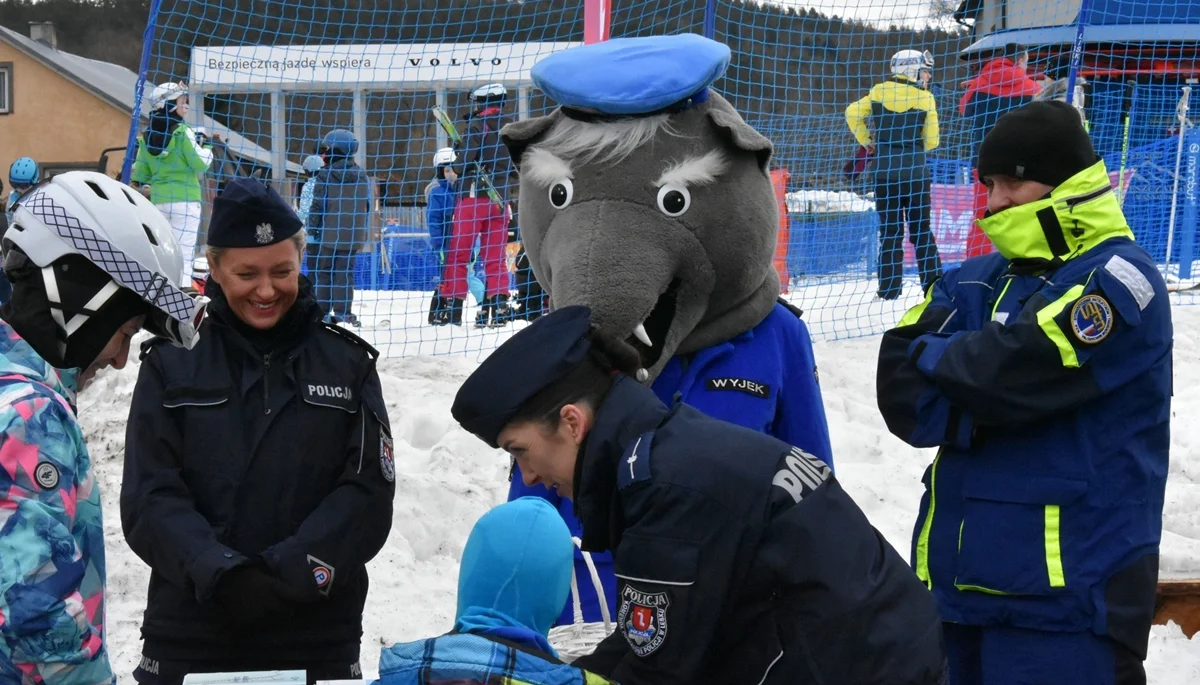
column 1179, row 601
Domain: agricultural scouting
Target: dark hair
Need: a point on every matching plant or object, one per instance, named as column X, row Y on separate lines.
column 587, row 383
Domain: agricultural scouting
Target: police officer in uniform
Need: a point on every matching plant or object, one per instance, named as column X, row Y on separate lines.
column 258, row 467
column 740, row 559
column 1042, row 373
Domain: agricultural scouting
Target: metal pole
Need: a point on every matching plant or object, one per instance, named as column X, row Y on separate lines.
column 138, row 91
column 1181, row 112
column 359, row 114
column 710, row 19
column 279, row 140
column 595, row 21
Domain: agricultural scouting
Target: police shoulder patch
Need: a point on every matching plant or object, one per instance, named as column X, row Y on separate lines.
column 322, row 574
column 642, row 619
column 387, row 458
column 1091, row 319
column 46, row 474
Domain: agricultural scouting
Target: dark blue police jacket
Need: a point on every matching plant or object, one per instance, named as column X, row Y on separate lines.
column 1048, row 396
column 740, row 558
column 764, row 379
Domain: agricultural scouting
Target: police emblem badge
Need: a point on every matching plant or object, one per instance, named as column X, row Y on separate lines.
column 264, row 234
column 387, row 460
column 643, row 619
column 1091, row 319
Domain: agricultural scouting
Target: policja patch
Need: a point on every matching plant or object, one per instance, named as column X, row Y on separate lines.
column 387, row 461
column 643, row 619
column 1091, row 319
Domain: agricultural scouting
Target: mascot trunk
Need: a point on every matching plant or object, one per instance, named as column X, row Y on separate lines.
column 646, row 197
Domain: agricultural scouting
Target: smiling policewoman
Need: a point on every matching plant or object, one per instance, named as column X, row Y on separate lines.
column 258, row 467
column 739, row 558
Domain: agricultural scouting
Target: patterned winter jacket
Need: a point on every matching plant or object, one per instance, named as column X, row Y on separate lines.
column 51, row 538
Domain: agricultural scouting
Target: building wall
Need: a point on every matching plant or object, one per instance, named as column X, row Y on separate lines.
column 1019, row 14
column 55, row 121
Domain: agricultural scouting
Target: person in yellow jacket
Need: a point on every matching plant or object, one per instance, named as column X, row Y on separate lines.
column 170, row 158
column 897, row 122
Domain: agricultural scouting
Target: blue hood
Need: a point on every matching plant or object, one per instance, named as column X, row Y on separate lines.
column 515, row 570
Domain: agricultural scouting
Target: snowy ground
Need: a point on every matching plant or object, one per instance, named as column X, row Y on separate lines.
column 446, row 478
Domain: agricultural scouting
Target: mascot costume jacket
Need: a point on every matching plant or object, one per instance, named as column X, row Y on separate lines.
column 647, row 198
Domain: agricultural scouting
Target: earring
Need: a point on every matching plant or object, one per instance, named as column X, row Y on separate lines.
column 642, row 375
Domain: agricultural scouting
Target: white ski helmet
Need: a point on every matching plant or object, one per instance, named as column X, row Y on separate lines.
column 492, row 91
column 167, row 92
column 444, row 156
column 909, row 63
column 117, row 229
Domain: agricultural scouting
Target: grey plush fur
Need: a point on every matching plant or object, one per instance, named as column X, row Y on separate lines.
column 611, row 248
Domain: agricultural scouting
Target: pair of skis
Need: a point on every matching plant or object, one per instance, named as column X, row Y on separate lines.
column 484, row 178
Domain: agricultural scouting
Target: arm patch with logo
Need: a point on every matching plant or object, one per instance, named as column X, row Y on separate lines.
column 387, row 457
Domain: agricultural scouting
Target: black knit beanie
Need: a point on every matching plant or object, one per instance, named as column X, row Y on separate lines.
column 1043, row 141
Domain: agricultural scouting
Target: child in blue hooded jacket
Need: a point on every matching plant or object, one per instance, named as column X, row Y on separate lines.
column 513, row 580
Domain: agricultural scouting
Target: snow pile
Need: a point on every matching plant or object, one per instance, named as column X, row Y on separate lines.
column 824, row 201
column 446, row 479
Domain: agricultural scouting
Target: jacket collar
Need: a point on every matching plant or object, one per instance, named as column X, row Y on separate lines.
column 1077, row 216
column 292, row 329
column 629, row 410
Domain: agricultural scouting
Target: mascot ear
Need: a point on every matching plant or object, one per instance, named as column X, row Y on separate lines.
column 729, row 123
column 521, row 134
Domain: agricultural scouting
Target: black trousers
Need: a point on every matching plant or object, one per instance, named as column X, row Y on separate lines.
column 158, row 672
column 332, row 275
column 899, row 200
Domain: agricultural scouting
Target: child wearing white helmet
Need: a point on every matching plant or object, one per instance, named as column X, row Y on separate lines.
column 91, row 262
column 171, row 156
column 441, row 197
column 311, row 165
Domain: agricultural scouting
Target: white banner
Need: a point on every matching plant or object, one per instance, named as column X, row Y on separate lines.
column 366, row 66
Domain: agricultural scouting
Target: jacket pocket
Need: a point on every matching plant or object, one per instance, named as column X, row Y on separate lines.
column 1010, row 539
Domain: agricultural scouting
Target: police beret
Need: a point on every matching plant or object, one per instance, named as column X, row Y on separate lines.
column 633, row 76
column 538, row 355
column 249, row 213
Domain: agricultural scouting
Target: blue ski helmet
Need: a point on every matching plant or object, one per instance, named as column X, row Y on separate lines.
column 24, row 172
column 340, row 143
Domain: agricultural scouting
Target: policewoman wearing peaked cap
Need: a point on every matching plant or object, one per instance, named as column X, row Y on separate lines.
column 258, row 467
column 739, row 558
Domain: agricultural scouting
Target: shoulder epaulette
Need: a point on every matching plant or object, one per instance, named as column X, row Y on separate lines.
column 792, row 308
column 147, row 345
column 334, row 328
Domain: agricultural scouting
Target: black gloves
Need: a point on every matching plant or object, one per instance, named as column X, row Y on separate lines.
column 249, row 595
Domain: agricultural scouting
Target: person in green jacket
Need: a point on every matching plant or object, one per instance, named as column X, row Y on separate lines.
column 170, row 158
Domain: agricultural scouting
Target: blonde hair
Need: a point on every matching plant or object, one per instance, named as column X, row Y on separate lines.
column 214, row 254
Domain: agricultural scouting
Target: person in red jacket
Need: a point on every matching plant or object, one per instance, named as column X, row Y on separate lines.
column 1002, row 85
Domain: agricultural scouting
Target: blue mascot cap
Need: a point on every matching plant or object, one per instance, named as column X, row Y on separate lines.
column 249, row 213
column 539, row 354
column 632, row 77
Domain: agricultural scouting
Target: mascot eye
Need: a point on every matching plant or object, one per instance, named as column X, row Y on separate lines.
column 674, row 199
column 561, row 193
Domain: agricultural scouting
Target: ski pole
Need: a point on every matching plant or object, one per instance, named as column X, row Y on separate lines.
column 1181, row 111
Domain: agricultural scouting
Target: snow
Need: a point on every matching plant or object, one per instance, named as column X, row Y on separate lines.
column 820, row 201
column 446, row 478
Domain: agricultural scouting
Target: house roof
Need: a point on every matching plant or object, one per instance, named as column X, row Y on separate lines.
column 116, row 85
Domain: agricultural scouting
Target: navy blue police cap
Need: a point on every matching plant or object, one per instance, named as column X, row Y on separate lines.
column 249, row 213
column 543, row 352
column 632, row 77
